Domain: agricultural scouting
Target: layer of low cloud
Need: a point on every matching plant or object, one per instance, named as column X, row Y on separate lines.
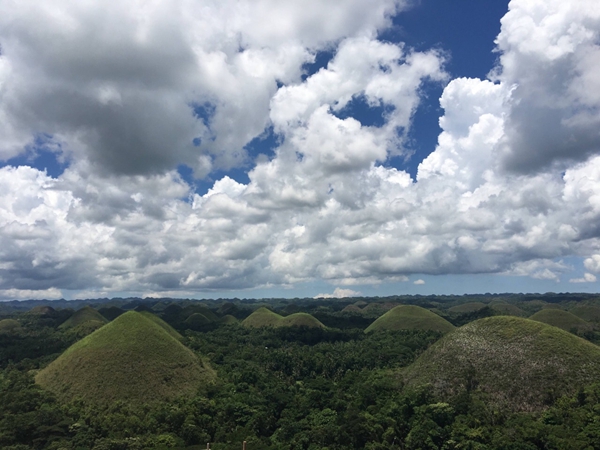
column 512, row 187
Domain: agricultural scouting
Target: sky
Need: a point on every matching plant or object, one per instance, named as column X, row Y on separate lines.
column 258, row 148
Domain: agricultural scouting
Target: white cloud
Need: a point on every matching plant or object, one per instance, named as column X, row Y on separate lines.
column 550, row 55
column 339, row 293
column 587, row 278
column 323, row 207
column 419, row 282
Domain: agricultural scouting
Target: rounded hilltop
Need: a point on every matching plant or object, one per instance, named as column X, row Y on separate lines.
column 133, row 358
column 561, row 319
column 264, row 317
column 517, row 364
column 84, row 321
column 410, row 317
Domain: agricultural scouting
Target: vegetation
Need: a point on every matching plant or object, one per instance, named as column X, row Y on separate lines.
column 410, row 317
column 589, row 313
column 83, row 315
column 161, row 323
column 264, row 317
column 467, row 307
column 561, row 319
column 307, row 388
column 9, row 326
column 519, row 364
column 131, row 359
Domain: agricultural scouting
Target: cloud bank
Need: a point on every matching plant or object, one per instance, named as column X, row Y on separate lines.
column 126, row 95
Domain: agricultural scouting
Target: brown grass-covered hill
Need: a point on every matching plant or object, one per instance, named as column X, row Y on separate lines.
column 519, row 364
column 410, row 317
column 132, row 358
column 264, row 317
column 561, row 319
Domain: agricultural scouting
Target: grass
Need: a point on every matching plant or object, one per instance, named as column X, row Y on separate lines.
column 561, row 319
column 590, row 313
column 83, row 315
column 9, row 326
column 111, row 312
column 410, row 317
column 161, row 323
column 467, row 307
column 519, row 364
column 507, row 309
column 264, row 317
column 229, row 320
column 132, row 358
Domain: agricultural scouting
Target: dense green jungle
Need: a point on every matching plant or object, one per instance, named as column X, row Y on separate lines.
column 502, row 371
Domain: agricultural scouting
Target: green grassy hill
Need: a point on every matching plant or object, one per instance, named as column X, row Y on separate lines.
column 161, row 323
column 467, row 307
column 300, row 320
column 591, row 313
column 83, row 315
column 264, row 317
column 561, row 319
column 111, row 312
column 507, row 309
column 520, row 364
column 410, row 317
column 197, row 321
column 229, row 320
column 9, row 326
column 131, row 358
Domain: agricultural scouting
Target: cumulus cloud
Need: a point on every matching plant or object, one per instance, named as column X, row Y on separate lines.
column 174, row 83
column 140, row 87
column 419, row 282
column 587, row 278
column 549, row 55
column 339, row 293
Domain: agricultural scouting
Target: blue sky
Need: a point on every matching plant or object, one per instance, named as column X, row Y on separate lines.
column 366, row 148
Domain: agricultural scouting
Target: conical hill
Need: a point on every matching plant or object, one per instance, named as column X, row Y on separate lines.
column 561, row 319
column 301, row 319
column 410, row 317
column 517, row 364
column 590, row 313
column 83, row 315
column 264, row 317
column 161, row 323
column 132, row 358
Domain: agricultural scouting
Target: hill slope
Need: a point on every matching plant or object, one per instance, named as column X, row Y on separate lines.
column 589, row 313
column 132, row 359
column 264, row 317
column 522, row 365
column 410, row 317
column 300, row 320
column 83, row 315
column 561, row 319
